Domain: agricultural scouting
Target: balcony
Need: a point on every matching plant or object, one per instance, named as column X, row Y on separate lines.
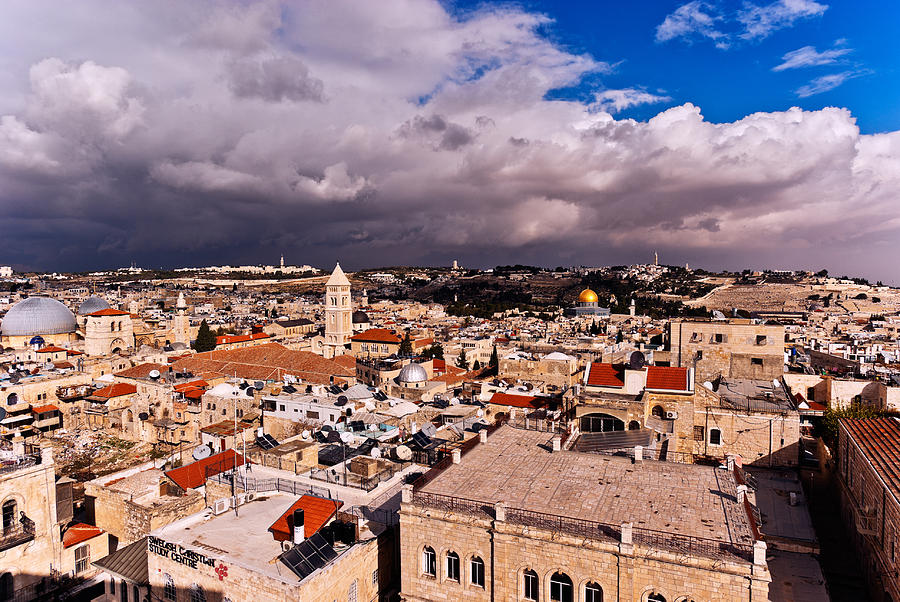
column 17, row 534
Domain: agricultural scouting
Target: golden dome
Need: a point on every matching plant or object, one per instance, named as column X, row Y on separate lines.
column 587, row 296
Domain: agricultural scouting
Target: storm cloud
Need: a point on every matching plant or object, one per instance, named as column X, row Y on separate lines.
column 393, row 132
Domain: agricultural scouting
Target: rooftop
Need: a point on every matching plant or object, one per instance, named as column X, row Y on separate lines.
column 879, row 440
column 515, row 467
column 754, row 395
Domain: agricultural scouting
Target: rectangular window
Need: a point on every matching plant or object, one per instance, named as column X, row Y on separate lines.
column 699, row 354
column 719, row 338
column 452, row 567
column 811, row 393
column 715, row 437
column 375, row 577
column 281, row 407
column 698, row 433
column 124, row 589
column 312, row 415
column 429, row 562
column 82, row 559
column 477, row 570
column 531, row 585
column 756, row 361
column 760, row 339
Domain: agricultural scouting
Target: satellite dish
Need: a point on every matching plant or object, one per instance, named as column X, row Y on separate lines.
column 346, row 437
column 479, row 413
column 327, row 427
column 637, row 361
column 304, row 435
column 201, row 452
column 142, row 416
column 403, row 453
column 258, row 385
column 775, row 383
column 708, row 385
column 375, row 453
column 154, row 374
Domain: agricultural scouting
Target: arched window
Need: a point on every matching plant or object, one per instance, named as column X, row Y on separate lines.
column 715, row 437
column 560, row 588
column 9, row 515
column 532, row 585
column 169, row 588
column 197, row 594
column 12, row 399
column 112, row 326
column 593, row 593
column 429, row 562
column 82, row 558
column 7, row 586
column 453, row 566
column 656, row 597
column 658, row 411
column 476, row 571
column 634, row 425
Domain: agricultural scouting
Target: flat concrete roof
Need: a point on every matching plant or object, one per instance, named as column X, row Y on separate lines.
column 516, row 467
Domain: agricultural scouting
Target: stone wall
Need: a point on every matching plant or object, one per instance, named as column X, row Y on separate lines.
column 733, row 350
column 761, row 439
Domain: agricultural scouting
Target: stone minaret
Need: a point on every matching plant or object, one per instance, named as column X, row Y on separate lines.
column 338, row 313
column 181, row 325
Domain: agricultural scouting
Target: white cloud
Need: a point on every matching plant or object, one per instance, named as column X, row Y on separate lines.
column 695, row 18
column 825, row 83
column 761, row 21
column 809, row 57
column 613, row 101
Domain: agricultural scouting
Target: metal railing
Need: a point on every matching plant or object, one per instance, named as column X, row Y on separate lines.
column 17, row 533
column 648, row 538
column 19, row 462
column 273, row 484
column 347, row 478
column 543, row 425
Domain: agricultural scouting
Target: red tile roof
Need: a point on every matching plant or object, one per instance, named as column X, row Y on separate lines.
column 80, row 532
column 42, row 409
column 70, row 352
column 141, row 370
column 193, row 475
column 62, row 365
column 516, row 401
column 109, row 312
column 667, row 378
column 50, row 349
column 879, row 440
column 317, row 512
column 116, row 390
column 376, row 335
column 347, row 361
column 240, row 338
column 606, row 375
column 194, row 384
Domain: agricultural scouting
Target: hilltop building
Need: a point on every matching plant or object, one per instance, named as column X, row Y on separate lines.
column 338, row 313
column 588, row 304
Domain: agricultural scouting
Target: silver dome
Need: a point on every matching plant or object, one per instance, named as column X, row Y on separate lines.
column 412, row 373
column 92, row 304
column 38, row 315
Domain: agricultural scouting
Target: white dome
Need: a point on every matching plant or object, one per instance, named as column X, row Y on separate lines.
column 92, row 304
column 412, row 373
column 38, row 315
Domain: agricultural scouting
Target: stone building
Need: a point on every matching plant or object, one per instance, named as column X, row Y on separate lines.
column 515, row 519
column 108, row 331
column 375, row 343
column 868, row 453
column 556, row 370
column 338, row 313
column 38, row 321
column 733, row 349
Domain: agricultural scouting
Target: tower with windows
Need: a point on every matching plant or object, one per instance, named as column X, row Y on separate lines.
column 338, row 313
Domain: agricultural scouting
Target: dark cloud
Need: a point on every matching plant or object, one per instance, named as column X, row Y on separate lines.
column 196, row 135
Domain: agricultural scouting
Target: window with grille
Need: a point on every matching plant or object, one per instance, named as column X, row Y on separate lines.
column 429, row 562
column 453, row 566
column 593, row 593
column 476, row 568
column 197, row 594
column 351, row 595
column 532, row 586
column 82, row 558
column 698, row 433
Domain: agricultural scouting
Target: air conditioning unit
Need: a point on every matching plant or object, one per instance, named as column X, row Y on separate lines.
column 221, row 506
column 251, row 495
column 671, row 415
column 241, row 499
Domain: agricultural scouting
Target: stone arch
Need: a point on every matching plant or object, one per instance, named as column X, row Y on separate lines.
column 117, row 345
column 559, row 577
column 658, row 411
column 12, row 399
column 7, row 586
column 654, row 594
column 10, row 511
column 520, row 579
column 581, row 594
column 634, row 425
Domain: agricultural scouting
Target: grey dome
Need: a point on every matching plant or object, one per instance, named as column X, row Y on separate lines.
column 360, row 317
column 92, row 304
column 38, row 315
column 412, row 373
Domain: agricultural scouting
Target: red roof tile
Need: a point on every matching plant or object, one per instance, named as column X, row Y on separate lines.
column 317, row 512
column 606, row 375
column 194, row 384
column 879, row 440
column 516, row 401
column 42, row 409
column 193, row 475
column 80, row 532
column 109, row 312
column 50, row 349
column 116, row 390
column 667, row 378
column 141, row 370
column 376, row 335
column 240, row 338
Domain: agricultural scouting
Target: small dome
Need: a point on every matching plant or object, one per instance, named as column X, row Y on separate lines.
column 92, row 304
column 412, row 373
column 360, row 317
column 587, row 296
column 38, row 315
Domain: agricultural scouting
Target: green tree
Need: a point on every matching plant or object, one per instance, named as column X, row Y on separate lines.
column 494, row 362
column 437, row 351
column 406, row 348
column 476, row 365
column 206, row 338
column 462, row 361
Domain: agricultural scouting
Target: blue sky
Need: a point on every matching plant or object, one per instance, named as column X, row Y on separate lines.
column 730, row 83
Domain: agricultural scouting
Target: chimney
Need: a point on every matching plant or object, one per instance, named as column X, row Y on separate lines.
column 557, row 443
column 482, row 436
column 627, row 531
column 500, row 512
column 741, row 493
column 299, row 528
column 638, row 453
column 456, row 455
column 18, row 445
column 406, row 494
column 512, row 414
column 759, row 553
column 46, row 453
column 729, row 462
